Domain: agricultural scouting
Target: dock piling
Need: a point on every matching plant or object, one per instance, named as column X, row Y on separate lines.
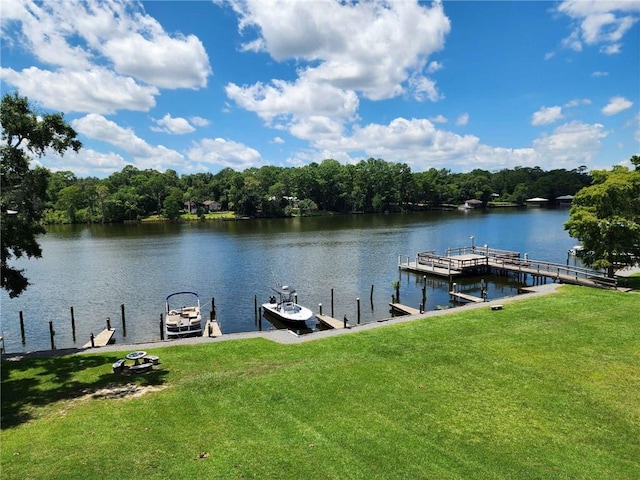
column 73, row 326
column 332, row 302
column 24, row 339
column 320, row 308
column 161, row 328
column 108, row 323
column 52, row 333
column 92, row 339
column 358, row 303
column 124, row 324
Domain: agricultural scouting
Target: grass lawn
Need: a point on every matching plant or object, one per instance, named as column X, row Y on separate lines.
column 549, row 387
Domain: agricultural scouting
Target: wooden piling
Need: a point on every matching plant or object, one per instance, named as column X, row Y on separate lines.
column 320, row 308
column 92, row 339
column 332, row 302
column 24, row 338
column 358, row 303
column 73, row 325
column 371, row 295
column 161, row 328
column 108, row 323
column 124, row 323
column 260, row 319
column 255, row 306
column 213, row 308
column 52, row 334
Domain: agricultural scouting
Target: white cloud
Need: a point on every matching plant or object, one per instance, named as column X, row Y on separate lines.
column 616, row 105
column 146, row 156
column 94, row 90
column 86, row 162
column 546, row 115
column 199, row 121
column 169, row 124
column 422, row 88
column 599, row 74
column 226, row 153
column 570, row 144
column 367, row 46
column 599, row 23
column 115, row 43
column 462, row 119
column 282, row 100
column 277, row 140
column 438, row 119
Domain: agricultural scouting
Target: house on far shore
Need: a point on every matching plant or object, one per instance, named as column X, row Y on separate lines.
column 564, row 200
column 206, row 206
column 473, row 203
column 537, row 202
column 212, row 206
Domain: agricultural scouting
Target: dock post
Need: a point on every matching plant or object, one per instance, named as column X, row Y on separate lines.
column 213, row 308
column 332, row 302
column 73, row 325
column 24, row 339
column 422, row 307
column 52, row 333
column 320, row 308
column 161, row 328
column 93, row 343
column 108, row 323
column 255, row 306
column 260, row 319
column 124, row 324
column 344, row 320
column 358, row 302
column 371, row 295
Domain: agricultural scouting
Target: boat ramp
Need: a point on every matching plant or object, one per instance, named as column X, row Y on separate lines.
column 468, row 261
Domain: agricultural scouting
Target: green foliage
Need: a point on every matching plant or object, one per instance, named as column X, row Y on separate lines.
column 23, row 190
column 605, row 217
column 546, row 388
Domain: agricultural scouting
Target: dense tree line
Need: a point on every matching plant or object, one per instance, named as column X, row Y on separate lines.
column 371, row 185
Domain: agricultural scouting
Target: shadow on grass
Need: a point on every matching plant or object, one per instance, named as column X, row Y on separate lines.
column 33, row 383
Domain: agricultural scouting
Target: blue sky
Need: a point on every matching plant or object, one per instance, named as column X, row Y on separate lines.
column 197, row 86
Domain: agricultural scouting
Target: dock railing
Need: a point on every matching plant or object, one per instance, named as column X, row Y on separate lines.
column 554, row 270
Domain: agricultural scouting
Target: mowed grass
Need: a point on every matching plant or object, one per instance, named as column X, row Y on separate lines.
column 549, row 387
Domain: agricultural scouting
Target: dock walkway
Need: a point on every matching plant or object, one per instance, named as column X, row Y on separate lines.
column 330, row 321
column 104, row 338
column 211, row 329
column 404, row 309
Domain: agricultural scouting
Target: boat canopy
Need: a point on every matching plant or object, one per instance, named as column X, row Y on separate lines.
column 284, row 290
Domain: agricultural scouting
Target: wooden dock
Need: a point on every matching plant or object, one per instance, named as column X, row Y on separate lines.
column 330, row 321
column 404, row 309
column 104, row 338
column 212, row 329
column 477, row 260
column 466, row 297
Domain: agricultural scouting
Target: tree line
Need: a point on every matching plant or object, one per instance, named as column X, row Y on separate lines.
column 371, row 185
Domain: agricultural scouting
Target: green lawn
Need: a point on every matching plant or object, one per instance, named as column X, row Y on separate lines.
column 549, row 387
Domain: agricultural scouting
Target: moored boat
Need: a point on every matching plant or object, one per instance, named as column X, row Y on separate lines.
column 284, row 307
column 186, row 319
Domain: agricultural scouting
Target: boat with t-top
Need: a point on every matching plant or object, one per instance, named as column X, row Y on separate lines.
column 183, row 316
column 284, row 306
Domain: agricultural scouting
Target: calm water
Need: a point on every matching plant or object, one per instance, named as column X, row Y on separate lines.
column 95, row 269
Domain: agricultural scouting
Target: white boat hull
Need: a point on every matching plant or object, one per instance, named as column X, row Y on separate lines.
column 288, row 312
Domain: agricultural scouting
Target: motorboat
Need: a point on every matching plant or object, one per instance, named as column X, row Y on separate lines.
column 284, row 307
column 183, row 316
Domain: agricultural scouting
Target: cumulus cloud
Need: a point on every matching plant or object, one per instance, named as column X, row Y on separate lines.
column 225, row 153
column 173, row 125
column 116, row 43
column 462, row 119
column 546, row 115
column 571, row 143
column 616, row 105
column 374, row 49
column 97, row 127
column 598, row 23
column 94, row 90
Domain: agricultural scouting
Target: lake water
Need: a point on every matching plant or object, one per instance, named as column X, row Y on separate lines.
column 98, row 268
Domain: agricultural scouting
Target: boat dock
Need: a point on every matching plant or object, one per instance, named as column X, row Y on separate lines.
column 466, row 297
column 330, row 321
column 104, row 338
column 467, row 261
column 212, row 329
column 404, row 309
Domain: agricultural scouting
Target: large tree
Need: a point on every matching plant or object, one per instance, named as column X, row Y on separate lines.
column 605, row 217
column 23, row 190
